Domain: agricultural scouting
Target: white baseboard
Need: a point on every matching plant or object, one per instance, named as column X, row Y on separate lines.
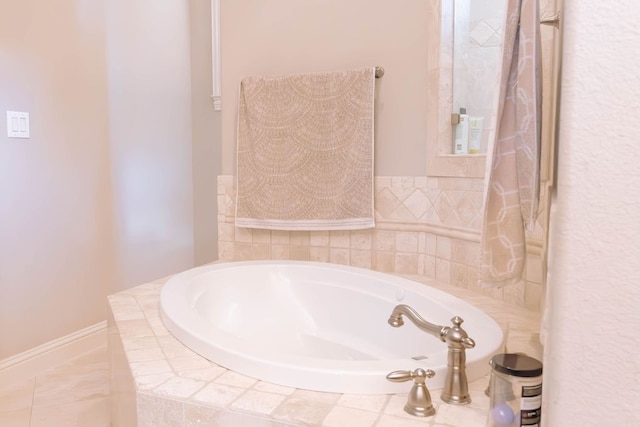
column 37, row 360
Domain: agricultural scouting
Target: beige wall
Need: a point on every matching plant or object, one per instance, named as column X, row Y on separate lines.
column 269, row 37
column 206, row 137
column 100, row 197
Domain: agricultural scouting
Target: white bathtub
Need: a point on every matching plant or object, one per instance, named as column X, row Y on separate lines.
column 318, row 326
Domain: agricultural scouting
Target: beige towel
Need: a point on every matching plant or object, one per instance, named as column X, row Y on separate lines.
column 305, row 151
column 513, row 169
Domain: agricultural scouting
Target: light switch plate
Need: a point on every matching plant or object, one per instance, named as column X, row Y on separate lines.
column 17, row 124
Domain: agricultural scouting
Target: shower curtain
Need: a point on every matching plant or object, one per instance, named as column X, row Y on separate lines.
column 513, row 157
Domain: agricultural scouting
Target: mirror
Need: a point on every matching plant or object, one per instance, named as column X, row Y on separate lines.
column 463, row 70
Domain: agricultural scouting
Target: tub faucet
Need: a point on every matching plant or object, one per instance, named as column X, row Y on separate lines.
column 456, row 387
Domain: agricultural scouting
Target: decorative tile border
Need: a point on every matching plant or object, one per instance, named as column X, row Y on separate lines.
column 428, row 226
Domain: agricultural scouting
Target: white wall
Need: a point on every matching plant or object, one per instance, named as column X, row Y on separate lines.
column 591, row 358
column 149, row 87
column 100, row 197
column 55, row 199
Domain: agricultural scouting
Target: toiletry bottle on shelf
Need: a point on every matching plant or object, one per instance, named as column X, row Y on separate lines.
column 475, row 134
column 461, row 141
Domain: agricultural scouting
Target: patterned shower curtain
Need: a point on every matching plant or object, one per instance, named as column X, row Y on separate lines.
column 513, row 156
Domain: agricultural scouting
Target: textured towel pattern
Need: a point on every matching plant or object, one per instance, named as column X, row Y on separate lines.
column 305, row 151
column 513, row 169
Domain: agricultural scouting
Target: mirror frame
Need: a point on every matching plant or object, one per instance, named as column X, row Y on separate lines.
column 440, row 160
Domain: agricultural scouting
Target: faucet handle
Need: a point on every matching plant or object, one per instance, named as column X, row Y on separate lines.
column 419, row 399
column 419, row 375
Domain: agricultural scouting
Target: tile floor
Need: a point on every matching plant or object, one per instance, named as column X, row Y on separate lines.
column 75, row 394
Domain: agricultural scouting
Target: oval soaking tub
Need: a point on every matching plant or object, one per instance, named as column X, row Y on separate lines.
column 318, row 326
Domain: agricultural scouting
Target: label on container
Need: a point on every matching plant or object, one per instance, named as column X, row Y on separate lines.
column 531, row 405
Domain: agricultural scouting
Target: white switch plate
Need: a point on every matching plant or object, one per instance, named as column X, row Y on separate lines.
column 17, row 124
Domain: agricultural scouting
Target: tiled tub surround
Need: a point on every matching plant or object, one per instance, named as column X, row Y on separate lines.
column 428, row 226
column 156, row 381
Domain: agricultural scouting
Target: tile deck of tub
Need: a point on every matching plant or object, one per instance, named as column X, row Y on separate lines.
column 157, row 381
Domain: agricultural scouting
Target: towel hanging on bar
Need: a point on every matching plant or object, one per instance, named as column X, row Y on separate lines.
column 305, row 151
column 513, row 158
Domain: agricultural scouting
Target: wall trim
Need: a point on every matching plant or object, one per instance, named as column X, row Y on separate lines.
column 215, row 55
column 534, row 247
column 32, row 362
column 440, row 229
